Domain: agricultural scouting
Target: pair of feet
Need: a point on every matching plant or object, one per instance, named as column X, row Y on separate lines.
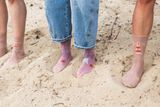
column 86, row 66
column 16, row 56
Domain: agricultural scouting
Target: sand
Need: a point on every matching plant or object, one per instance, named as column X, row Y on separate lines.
column 32, row 84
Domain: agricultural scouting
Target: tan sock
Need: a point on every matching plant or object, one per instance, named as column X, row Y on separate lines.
column 133, row 76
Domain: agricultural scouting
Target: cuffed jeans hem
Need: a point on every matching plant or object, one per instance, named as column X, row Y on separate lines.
column 62, row 40
column 82, row 47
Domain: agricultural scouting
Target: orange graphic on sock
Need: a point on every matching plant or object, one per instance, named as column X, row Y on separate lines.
column 138, row 49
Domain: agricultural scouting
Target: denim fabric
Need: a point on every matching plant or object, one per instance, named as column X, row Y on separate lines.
column 81, row 14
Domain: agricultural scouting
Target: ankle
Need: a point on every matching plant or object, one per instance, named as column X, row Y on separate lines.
column 18, row 45
column 66, row 52
column 139, row 57
column 66, row 48
column 18, row 51
column 138, row 61
column 66, row 56
column 89, row 53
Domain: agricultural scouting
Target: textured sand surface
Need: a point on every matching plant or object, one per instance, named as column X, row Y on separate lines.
column 32, row 84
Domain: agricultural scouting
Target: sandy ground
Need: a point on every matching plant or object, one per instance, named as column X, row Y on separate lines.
column 32, row 84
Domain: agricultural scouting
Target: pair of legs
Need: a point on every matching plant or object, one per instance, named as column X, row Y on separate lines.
column 142, row 25
column 82, row 15
column 18, row 14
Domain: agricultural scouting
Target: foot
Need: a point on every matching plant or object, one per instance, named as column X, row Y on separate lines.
column 134, row 75
column 62, row 63
column 16, row 56
column 86, row 67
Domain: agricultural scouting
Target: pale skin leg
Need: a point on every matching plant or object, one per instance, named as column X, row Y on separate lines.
column 3, row 27
column 18, row 14
column 142, row 25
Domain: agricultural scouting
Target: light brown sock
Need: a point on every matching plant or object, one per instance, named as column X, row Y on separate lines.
column 133, row 76
column 17, row 55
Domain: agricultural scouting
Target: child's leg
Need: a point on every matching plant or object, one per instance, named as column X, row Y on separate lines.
column 142, row 24
column 18, row 12
column 3, row 27
column 85, row 24
column 58, row 14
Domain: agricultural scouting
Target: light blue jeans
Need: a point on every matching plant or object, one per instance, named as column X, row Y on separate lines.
column 81, row 14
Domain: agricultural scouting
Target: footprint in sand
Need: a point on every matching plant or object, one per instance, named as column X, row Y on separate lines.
column 125, row 64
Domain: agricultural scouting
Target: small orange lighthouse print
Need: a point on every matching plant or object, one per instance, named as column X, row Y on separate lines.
column 138, row 49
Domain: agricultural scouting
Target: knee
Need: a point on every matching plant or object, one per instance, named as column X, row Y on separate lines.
column 145, row 2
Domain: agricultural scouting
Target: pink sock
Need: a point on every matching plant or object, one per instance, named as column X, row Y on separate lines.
column 87, row 64
column 65, row 58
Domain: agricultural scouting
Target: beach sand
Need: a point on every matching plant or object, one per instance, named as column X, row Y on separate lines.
column 32, row 84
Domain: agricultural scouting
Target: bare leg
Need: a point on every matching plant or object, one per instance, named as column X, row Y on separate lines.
column 65, row 58
column 3, row 27
column 142, row 24
column 87, row 64
column 18, row 12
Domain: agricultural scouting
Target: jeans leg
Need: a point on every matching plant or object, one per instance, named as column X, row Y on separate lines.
column 58, row 14
column 85, row 22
